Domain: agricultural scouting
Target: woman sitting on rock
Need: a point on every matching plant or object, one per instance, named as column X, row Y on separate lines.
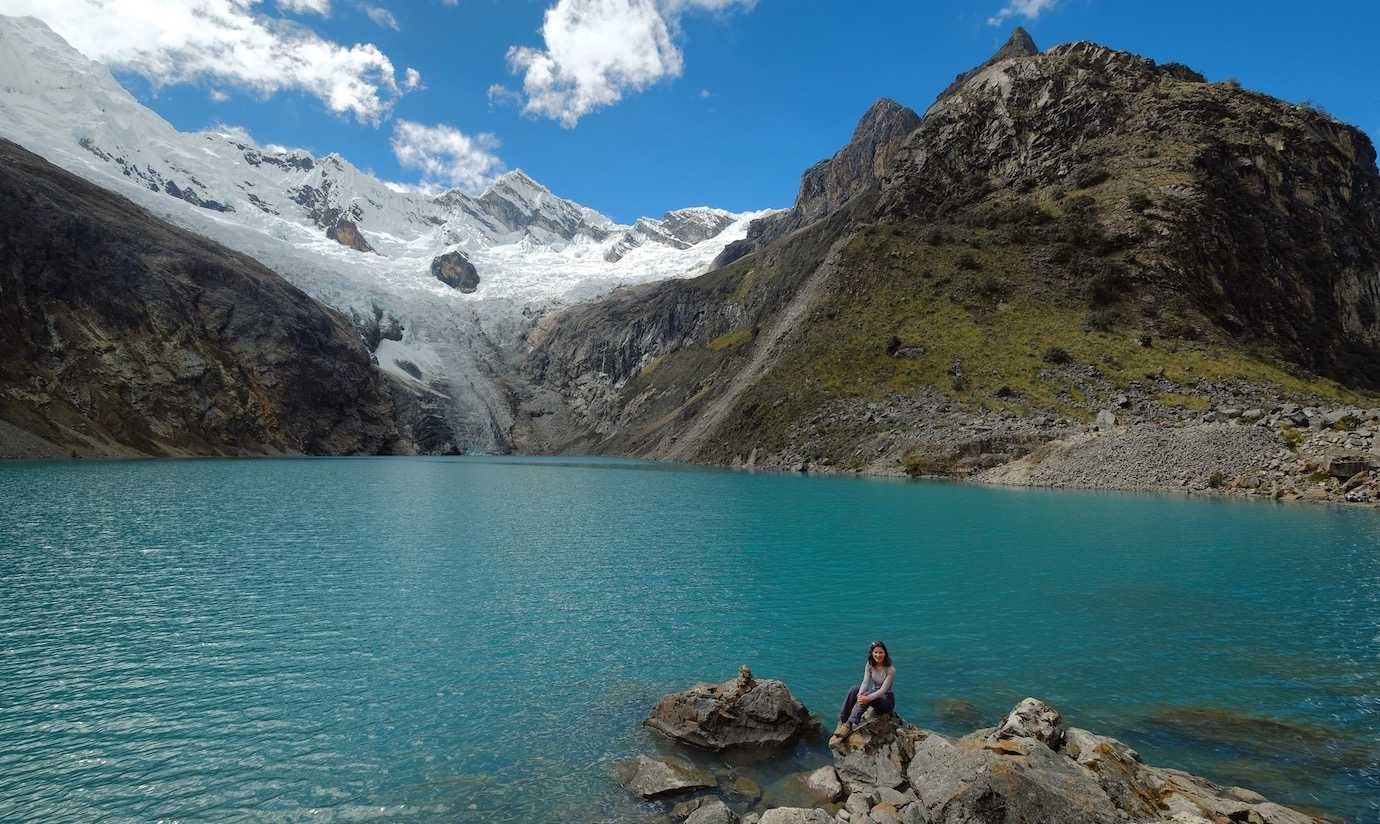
column 874, row 691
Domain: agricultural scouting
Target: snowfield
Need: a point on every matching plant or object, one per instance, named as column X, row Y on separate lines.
column 531, row 248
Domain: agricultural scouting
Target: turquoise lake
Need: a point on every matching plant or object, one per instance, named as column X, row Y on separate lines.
column 478, row 639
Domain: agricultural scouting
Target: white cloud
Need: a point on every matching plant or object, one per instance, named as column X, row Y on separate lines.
column 227, row 42
column 446, row 155
column 597, row 50
column 322, row 7
column 383, row 18
column 412, row 79
column 1029, row 9
column 218, row 96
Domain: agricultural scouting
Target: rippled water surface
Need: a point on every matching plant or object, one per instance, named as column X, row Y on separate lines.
column 478, row 639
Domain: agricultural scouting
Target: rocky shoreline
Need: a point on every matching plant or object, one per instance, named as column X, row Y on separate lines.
column 1031, row 768
column 1275, row 450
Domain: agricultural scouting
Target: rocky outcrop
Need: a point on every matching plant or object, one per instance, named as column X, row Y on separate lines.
column 122, row 335
column 455, row 270
column 346, row 232
column 1030, row 769
column 745, row 712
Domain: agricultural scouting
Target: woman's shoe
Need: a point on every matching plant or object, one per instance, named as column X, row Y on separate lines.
column 842, row 730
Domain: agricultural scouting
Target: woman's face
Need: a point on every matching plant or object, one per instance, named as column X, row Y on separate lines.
column 878, row 655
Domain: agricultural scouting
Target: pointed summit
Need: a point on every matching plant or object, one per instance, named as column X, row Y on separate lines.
column 1019, row 44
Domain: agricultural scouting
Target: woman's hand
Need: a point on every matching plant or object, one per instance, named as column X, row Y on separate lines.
column 863, row 699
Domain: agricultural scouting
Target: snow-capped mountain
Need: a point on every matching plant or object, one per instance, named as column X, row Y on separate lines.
column 679, row 229
column 345, row 237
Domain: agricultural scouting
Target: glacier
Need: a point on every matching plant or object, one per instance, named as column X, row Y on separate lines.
column 535, row 252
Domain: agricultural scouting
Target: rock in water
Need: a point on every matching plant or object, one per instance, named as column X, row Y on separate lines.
column 743, row 712
column 455, row 270
column 346, row 233
column 824, row 783
column 651, row 778
column 795, row 815
column 712, row 812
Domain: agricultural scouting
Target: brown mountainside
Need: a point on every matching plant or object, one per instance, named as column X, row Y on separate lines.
column 123, row 335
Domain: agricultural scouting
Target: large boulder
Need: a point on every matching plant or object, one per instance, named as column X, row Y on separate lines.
column 649, row 777
column 743, row 712
column 982, row 779
column 1033, row 718
column 1032, row 769
column 455, row 270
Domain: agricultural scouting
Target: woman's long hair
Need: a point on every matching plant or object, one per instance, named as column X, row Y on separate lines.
column 886, row 655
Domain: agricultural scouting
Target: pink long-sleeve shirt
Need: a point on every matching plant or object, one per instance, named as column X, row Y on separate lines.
column 876, row 681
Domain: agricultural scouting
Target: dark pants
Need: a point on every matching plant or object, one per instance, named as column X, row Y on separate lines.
column 885, row 704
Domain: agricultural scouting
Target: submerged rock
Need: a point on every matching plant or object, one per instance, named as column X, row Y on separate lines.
column 825, row 784
column 652, row 778
column 743, row 712
column 795, row 815
column 712, row 811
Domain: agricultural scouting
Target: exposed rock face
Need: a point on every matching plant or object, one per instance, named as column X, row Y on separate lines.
column 1020, row 44
column 829, row 184
column 345, row 232
column 122, row 335
column 520, row 203
column 455, row 270
column 743, row 712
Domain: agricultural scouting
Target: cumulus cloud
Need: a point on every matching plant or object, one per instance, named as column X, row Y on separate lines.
column 446, row 155
column 226, row 42
column 1029, row 9
column 595, row 51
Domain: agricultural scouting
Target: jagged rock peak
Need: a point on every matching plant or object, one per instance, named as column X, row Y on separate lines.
column 883, row 114
column 1019, row 44
column 518, row 180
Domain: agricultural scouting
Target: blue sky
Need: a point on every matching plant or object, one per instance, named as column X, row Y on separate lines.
column 725, row 104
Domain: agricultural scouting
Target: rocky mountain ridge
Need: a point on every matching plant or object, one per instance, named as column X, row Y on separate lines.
column 1061, row 229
